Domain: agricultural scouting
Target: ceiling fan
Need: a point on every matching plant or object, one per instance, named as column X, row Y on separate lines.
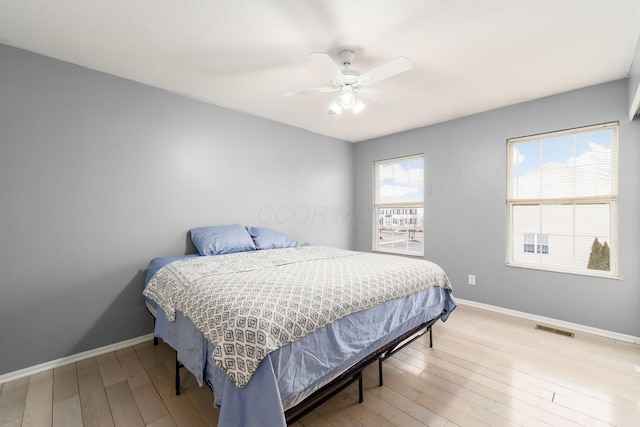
column 352, row 85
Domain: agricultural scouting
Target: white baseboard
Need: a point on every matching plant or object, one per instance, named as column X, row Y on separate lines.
column 72, row 359
column 553, row 322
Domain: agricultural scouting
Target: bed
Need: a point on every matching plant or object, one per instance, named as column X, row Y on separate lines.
column 270, row 324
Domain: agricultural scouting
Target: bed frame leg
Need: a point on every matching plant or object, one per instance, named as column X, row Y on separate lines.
column 360, row 392
column 430, row 337
column 155, row 339
column 177, row 376
column 390, row 353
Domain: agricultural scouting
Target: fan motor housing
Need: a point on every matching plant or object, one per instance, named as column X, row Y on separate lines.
column 346, row 57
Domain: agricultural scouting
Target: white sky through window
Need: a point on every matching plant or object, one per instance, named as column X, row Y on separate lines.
column 402, row 181
column 590, row 150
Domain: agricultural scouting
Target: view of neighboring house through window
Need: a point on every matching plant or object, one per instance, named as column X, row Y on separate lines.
column 562, row 201
column 536, row 243
column 399, row 205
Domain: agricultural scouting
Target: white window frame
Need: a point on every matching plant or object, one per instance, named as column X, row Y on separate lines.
column 611, row 200
column 377, row 205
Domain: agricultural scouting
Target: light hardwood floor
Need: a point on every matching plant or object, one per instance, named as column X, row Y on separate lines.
column 485, row 369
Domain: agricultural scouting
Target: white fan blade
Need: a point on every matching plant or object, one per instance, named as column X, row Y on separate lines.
column 326, row 64
column 310, row 91
column 377, row 95
column 390, row 69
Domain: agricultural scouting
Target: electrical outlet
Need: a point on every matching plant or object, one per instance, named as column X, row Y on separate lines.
column 472, row 279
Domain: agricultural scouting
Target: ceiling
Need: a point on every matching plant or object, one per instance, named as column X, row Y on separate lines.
column 468, row 56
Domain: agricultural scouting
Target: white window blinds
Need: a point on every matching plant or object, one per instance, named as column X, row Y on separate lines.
column 562, row 201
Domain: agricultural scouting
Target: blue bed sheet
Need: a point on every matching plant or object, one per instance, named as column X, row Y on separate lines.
column 157, row 263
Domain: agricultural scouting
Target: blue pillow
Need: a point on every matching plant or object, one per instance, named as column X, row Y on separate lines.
column 223, row 239
column 266, row 238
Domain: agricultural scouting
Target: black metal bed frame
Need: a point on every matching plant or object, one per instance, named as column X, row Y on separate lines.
column 349, row 376
column 354, row 373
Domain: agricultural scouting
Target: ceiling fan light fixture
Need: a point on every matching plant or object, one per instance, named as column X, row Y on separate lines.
column 359, row 106
column 347, row 97
column 334, row 107
column 353, row 103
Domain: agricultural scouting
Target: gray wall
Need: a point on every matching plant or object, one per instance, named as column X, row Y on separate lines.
column 99, row 174
column 465, row 206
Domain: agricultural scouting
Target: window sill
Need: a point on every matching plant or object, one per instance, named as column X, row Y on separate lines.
column 398, row 252
column 594, row 273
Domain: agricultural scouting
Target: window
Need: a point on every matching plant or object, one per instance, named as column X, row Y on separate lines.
column 563, row 189
column 399, row 205
column 536, row 243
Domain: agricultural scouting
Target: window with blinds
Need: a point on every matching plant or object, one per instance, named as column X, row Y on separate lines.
column 562, row 201
column 399, row 205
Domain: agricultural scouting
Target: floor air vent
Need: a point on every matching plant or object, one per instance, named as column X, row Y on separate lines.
column 555, row 331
